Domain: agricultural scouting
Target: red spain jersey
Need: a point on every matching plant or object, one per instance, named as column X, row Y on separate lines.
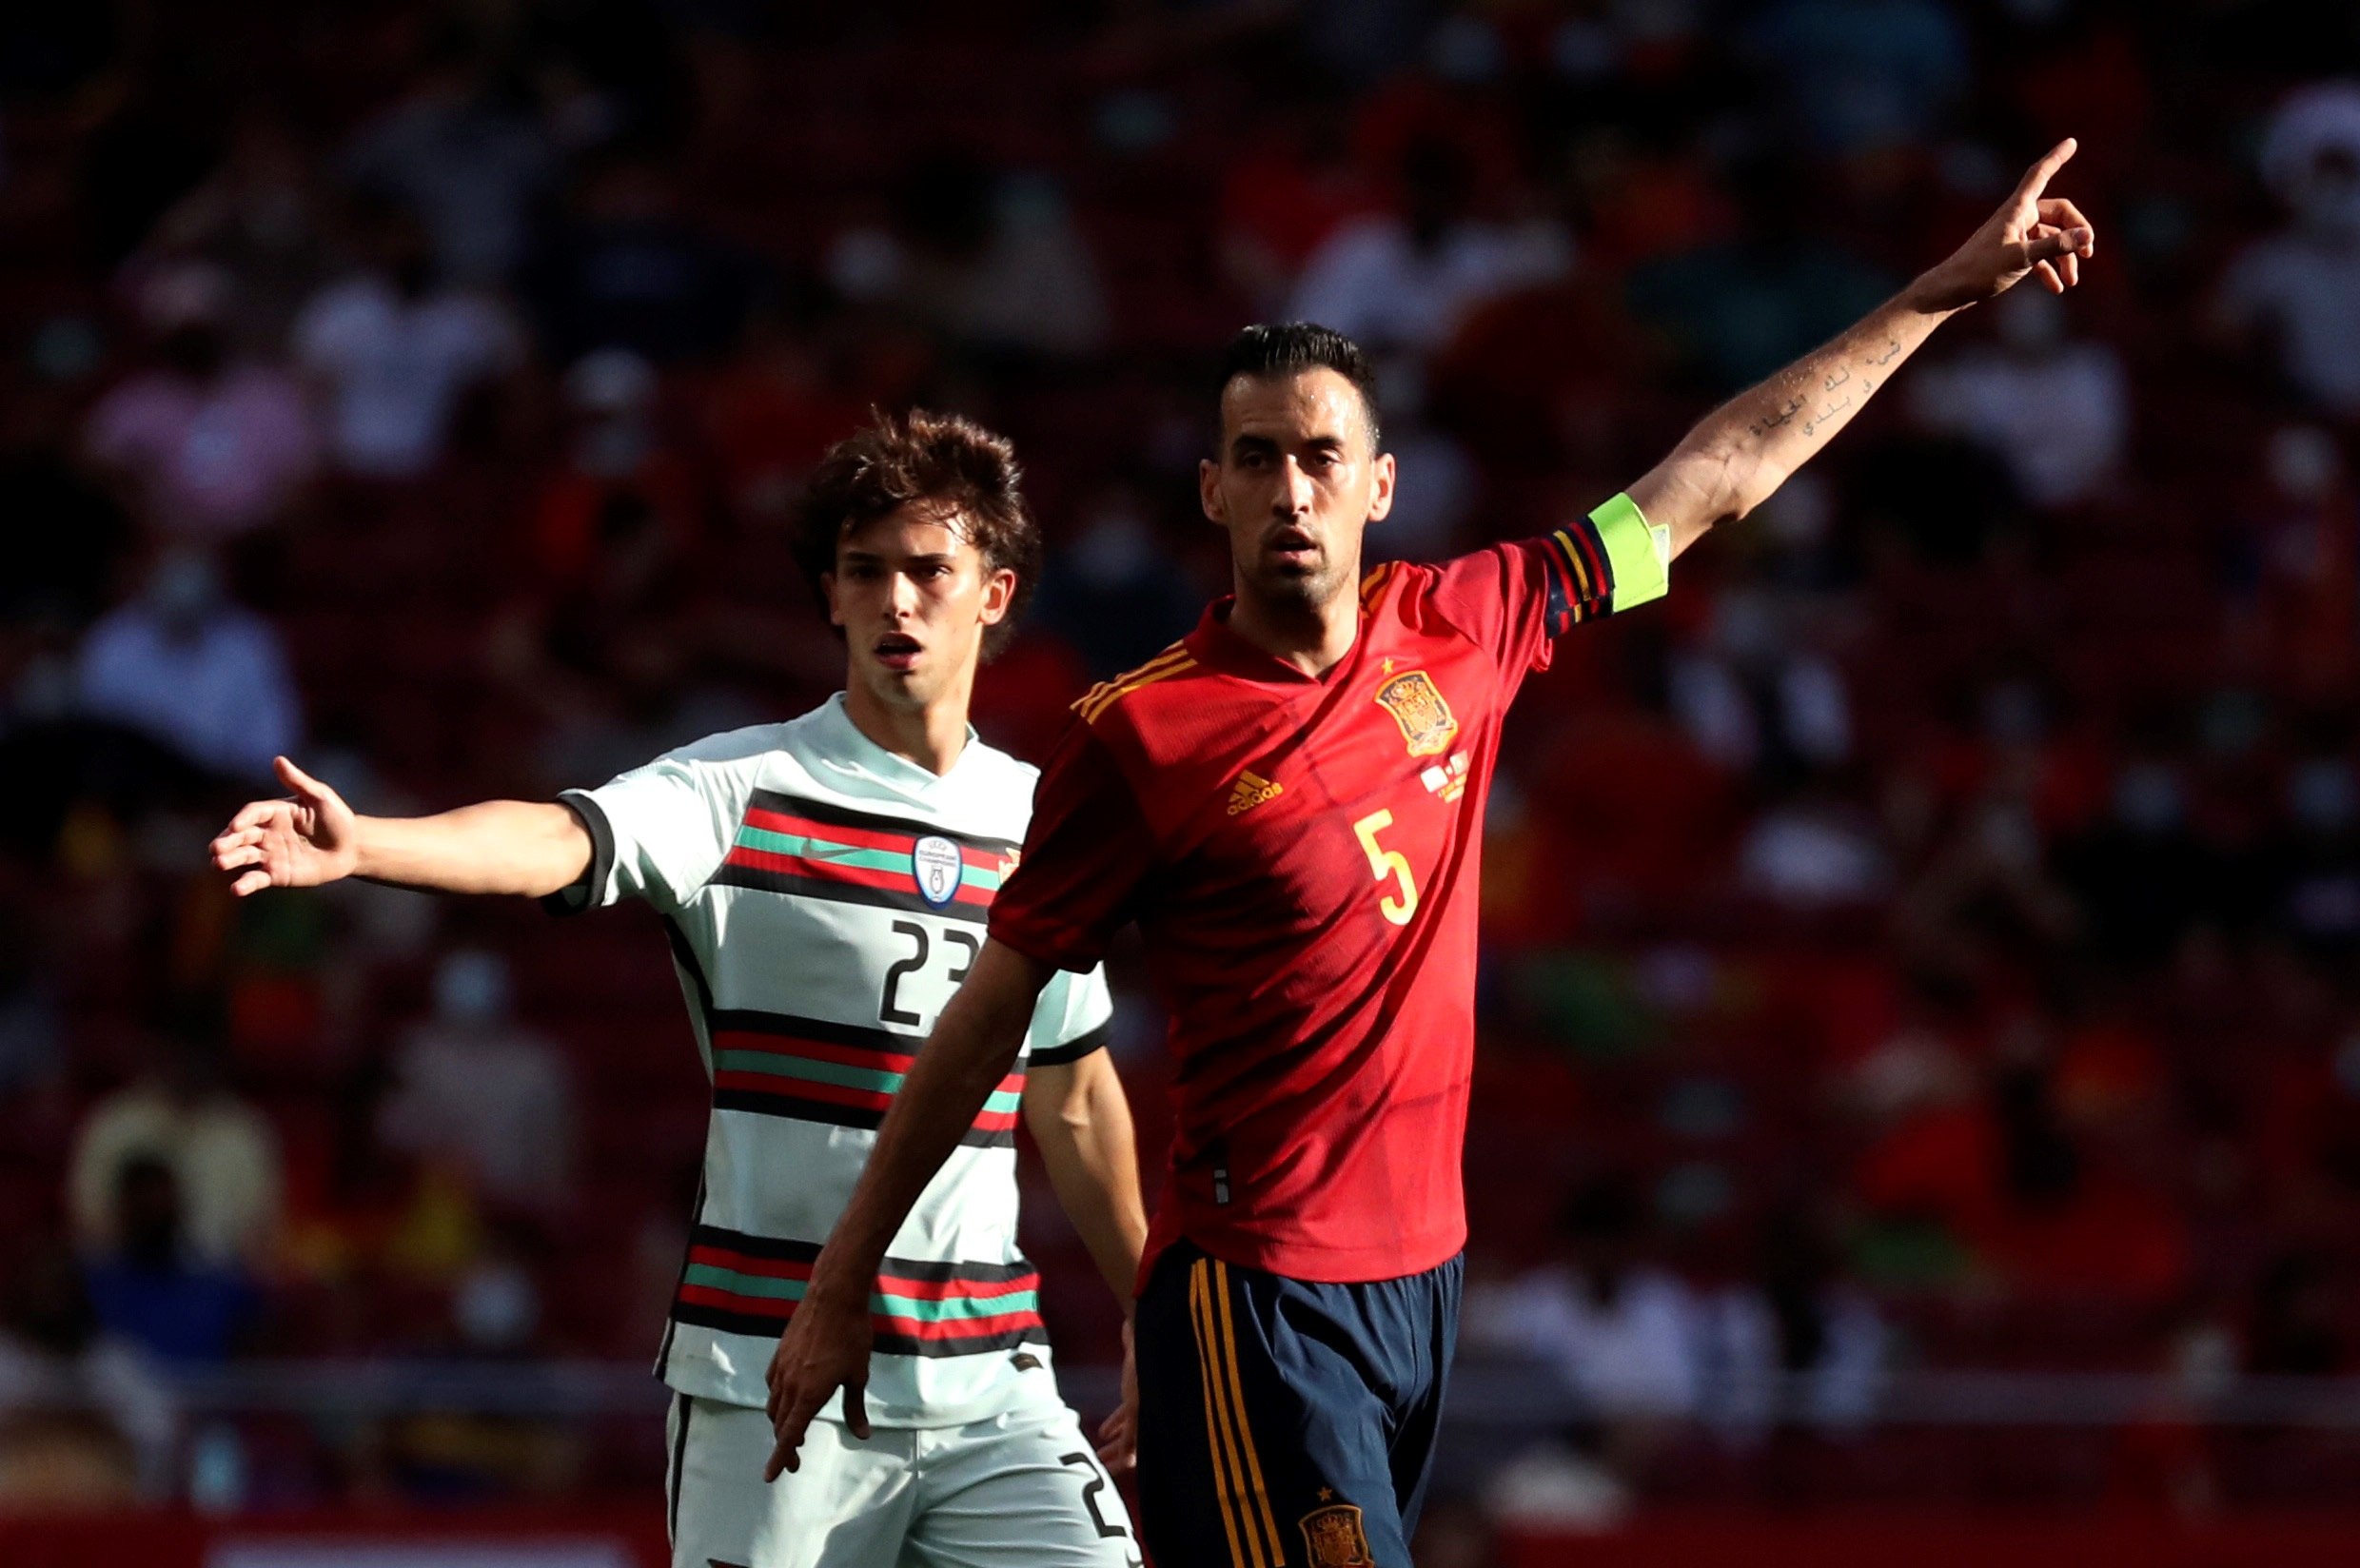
column 1302, row 855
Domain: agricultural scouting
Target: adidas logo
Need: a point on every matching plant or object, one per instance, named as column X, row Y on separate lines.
column 1251, row 790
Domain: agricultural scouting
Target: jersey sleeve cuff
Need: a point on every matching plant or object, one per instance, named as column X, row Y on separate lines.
column 1074, row 1049
column 588, row 891
column 1638, row 553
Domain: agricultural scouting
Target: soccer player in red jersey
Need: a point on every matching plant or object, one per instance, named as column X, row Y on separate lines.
column 1290, row 804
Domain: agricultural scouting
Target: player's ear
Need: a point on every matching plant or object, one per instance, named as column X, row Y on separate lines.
column 1381, row 487
column 836, row 610
column 1208, row 491
column 999, row 592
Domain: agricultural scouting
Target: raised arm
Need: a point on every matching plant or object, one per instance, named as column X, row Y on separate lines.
column 1745, row 450
column 974, row 1044
column 533, row 848
column 1081, row 1119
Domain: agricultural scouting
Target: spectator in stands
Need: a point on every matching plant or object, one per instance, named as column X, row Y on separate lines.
column 1755, row 695
column 2141, row 875
column 396, row 353
column 150, row 1288
column 1113, row 593
column 2056, row 412
column 31, row 1035
column 1281, row 198
column 1794, row 1343
column 2313, row 862
column 1814, row 850
column 994, row 261
column 464, row 150
column 603, row 649
column 1864, row 77
column 631, row 270
column 258, row 218
column 1620, row 1332
column 1736, row 309
column 2299, row 1325
column 221, row 1153
column 769, row 413
column 187, row 664
column 1400, row 283
column 85, row 1420
column 1621, row 1336
column 208, row 445
column 2295, row 295
column 473, row 1087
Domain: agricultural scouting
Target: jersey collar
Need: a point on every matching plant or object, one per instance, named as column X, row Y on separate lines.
column 845, row 747
column 1217, row 647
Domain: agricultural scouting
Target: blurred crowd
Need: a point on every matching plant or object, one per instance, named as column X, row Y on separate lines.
column 1925, row 941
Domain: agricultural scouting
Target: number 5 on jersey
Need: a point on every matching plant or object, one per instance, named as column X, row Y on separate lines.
column 1383, row 863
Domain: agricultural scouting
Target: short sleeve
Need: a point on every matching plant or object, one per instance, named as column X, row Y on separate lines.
column 1073, row 1017
column 1516, row 598
column 657, row 832
column 1087, row 852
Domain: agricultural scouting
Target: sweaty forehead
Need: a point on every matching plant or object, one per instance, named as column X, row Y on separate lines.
column 1292, row 407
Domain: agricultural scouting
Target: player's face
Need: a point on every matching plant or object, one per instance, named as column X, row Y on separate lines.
column 1297, row 481
column 914, row 599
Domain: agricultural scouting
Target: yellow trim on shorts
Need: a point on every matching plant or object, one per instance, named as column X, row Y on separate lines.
column 1245, row 1433
column 1216, row 1419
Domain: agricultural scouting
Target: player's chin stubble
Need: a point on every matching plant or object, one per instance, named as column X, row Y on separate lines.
column 1295, row 590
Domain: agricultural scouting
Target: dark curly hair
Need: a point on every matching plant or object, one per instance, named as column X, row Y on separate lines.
column 943, row 460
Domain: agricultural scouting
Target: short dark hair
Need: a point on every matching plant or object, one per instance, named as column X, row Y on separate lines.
column 945, row 460
column 1289, row 347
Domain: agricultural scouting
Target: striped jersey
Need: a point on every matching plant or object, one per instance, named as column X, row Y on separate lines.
column 824, row 898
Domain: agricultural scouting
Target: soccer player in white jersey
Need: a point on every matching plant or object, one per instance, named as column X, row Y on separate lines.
column 825, row 882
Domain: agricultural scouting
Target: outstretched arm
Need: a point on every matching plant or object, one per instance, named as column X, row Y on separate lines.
column 1745, row 449
column 1081, row 1119
column 535, row 847
column 975, row 1043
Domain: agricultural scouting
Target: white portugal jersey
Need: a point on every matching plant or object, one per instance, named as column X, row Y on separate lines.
column 824, row 898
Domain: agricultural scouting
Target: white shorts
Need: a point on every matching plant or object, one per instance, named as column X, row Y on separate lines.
column 1022, row 1490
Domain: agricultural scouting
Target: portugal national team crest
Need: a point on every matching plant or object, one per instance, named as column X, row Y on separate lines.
column 1334, row 1538
column 1416, row 704
column 935, row 862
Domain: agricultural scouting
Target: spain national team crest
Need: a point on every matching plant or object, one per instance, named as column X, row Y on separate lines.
column 1416, row 704
column 1334, row 1538
column 935, row 862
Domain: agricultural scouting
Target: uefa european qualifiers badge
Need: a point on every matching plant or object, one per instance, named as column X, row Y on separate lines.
column 938, row 866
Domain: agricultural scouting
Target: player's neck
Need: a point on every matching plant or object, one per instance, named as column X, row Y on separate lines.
column 1312, row 637
column 931, row 737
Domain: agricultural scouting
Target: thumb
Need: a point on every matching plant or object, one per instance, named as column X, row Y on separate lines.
column 298, row 780
column 856, row 1409
column 2048, row 247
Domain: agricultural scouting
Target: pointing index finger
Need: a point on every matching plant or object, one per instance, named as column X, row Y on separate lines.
column 2037, row 177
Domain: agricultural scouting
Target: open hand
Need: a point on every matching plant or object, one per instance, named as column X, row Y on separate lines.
column 825, row 1348
column 1118, row 1436
column 2032, row 232
column 300, row 842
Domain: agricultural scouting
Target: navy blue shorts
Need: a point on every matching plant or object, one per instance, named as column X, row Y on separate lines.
column 1286, row 1423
